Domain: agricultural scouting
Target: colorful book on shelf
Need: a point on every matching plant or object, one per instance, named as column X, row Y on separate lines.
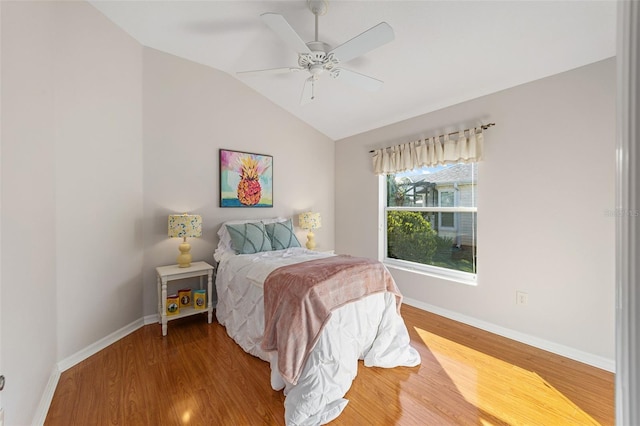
column 200, row 299
column 173, row 305
column 185, row 298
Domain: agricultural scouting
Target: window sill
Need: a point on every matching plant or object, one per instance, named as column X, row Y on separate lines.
column 443, row 274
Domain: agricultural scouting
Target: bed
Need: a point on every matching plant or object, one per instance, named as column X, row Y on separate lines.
column 254, row 257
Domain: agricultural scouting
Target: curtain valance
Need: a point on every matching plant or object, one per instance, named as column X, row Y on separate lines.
column 429, row 152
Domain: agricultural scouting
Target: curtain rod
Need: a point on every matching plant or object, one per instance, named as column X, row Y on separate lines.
column 483, row 127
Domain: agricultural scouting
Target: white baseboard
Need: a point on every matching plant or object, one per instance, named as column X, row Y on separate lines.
column 99, row 345
column 568, row 352
column 45, row 401
column 151, row 319
column 65, row 364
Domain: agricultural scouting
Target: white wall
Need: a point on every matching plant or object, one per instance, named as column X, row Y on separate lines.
column 98, row 118
column 545, row 185
column 190, row 112
column 71, row 189
column 28, row 310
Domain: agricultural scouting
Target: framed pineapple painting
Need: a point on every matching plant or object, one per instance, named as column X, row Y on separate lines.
column 246, row 179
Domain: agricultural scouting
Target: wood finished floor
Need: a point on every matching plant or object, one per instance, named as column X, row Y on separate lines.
column 197, row 375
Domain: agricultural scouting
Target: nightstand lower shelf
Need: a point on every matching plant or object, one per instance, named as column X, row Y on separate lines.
column 186, row 312
column 174, row 272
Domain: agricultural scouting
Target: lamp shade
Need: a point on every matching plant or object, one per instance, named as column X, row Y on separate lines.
column 309, row 220
column 185, row 225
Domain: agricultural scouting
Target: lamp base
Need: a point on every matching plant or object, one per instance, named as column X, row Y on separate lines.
column 311, row 241
column 184, row 258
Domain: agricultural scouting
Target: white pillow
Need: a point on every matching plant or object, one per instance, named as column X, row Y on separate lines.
column 224, row 244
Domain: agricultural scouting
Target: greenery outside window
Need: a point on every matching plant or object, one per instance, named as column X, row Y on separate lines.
column 430, row 220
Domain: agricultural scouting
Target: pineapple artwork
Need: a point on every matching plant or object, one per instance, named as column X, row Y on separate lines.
column 249, row 189
column 245, row 179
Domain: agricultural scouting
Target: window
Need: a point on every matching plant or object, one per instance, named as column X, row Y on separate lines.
column 431, row 220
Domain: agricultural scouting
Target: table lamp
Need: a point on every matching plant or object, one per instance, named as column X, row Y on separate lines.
column 185, row 225
column 310, row 221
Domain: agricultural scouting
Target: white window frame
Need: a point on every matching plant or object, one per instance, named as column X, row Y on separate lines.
column 419, row 268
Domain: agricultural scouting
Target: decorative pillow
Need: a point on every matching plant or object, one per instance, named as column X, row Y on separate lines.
column 281, row 235
column 247, row 238
column 224, row 243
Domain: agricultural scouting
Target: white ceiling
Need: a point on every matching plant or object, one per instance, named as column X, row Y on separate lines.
column 444, row 52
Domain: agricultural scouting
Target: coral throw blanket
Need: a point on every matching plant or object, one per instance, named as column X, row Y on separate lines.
column 299, row 298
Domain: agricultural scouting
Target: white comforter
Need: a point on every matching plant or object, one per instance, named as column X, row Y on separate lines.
column 369, row 329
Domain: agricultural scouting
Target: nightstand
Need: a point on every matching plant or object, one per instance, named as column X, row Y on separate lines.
column 174, row 272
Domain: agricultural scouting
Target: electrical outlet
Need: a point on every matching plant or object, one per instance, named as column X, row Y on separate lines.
column 522, row 298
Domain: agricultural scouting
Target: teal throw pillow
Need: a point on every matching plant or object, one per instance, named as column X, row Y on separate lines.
column 247, row 238
column 281, row 235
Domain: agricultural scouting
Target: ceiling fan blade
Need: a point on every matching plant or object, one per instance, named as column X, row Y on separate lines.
column 308, row 91
column 372, row 38
column 281, row 27
column 364, row 82
column 283, row 70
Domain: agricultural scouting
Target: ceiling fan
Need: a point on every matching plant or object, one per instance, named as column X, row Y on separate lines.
column 316, row 57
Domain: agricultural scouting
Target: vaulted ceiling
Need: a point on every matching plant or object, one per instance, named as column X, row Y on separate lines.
column 443, row 53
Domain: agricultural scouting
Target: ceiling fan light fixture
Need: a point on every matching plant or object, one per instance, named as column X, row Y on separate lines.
column 316, row 70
